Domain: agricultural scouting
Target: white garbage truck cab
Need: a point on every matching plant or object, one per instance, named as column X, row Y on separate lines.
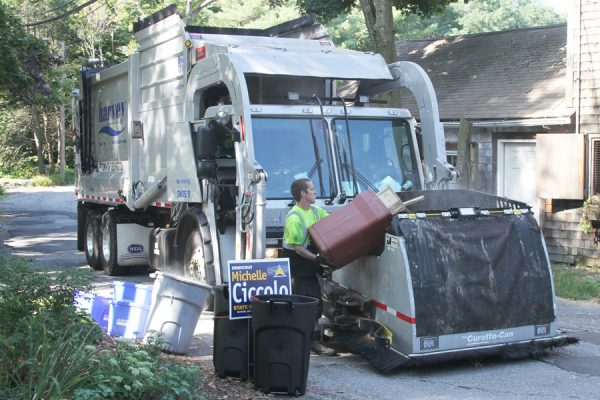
column 185, row 155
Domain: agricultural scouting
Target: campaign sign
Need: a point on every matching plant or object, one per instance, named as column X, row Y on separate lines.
column 249, row 278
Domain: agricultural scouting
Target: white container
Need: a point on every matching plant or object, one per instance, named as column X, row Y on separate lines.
column 391, row 200
column 127, row 319
column 176, row 306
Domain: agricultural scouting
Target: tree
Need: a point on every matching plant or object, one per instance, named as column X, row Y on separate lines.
column 498, row 15
column 378, row 16
column 460, row 18
column 24, row 60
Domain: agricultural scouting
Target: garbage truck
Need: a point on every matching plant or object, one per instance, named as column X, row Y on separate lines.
column 186, row 151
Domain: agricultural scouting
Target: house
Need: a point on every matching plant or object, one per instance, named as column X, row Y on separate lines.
column 531, row 96
column 510, row 86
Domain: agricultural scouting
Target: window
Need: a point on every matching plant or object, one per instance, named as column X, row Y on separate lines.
column 292, row 148
column 377, row 153
column 452, row 157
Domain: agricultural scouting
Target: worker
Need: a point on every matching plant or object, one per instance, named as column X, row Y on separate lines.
column 305, row 262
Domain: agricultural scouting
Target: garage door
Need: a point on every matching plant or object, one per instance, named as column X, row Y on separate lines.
column 516, row 171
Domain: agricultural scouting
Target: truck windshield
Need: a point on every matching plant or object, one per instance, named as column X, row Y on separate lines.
column 292, row 148
column 382, row 155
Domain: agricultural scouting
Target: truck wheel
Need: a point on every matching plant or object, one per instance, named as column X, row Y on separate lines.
column 198, row 260
column 92, row 233
column 108, row 244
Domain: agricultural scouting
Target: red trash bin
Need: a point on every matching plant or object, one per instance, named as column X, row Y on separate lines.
column 353, row 230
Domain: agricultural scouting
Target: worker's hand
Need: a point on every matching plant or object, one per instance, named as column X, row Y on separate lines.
column 321, row 260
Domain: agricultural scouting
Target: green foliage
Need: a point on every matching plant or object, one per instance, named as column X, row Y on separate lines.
column 24, row 60
column 49, row 350
column 576, row 283
column 349, row 31
column 591, row 208
column 479, row 16
column 41, row 364
column 132, row 371
column 331, row 9
column 24, row 168
column 460, row 18
column 28, row 292
column 247, row 14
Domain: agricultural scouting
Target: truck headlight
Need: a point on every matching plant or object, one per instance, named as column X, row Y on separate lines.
column 272, row 253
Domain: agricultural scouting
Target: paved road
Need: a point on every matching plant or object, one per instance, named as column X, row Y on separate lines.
column 39, row 224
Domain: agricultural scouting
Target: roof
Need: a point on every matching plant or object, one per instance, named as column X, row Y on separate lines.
column 517, row 74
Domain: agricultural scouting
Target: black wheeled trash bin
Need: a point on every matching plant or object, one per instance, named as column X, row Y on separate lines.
column 282, row 327
column 231, row 342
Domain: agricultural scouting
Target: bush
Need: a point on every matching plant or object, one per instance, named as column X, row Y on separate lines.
column 28, row 292
column 53, row 178
column 39, row 363
column 50, row 350
column 135, row 371
column 23, row 168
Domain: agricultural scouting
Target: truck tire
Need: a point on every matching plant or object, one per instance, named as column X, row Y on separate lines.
column 91, row 243
column 108, row 244
column 198, row 259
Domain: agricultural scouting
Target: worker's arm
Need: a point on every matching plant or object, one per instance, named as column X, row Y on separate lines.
column 304, row 252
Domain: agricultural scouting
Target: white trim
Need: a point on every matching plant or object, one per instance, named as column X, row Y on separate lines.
column 500, row 163
column 515, row 122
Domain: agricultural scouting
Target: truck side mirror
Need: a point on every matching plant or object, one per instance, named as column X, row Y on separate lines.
column 204, row 142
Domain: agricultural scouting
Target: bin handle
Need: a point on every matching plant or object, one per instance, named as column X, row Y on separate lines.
column 289, row 303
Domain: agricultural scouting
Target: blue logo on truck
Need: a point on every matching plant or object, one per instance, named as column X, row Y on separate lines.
column 135, row 248
column 112, row 114
column 110, row 131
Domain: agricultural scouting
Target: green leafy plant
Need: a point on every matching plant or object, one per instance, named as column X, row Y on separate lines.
column 136, row 371
column 38, row 364
column 27, row 292
column 590, row 212
column 50, row 350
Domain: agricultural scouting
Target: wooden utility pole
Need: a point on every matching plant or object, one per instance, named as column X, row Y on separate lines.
column 464, row 154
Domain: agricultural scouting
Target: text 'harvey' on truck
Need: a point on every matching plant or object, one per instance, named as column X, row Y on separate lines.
column 186, row 152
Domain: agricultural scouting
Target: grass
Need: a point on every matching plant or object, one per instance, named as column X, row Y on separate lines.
column 29, row 170
column 50, row 179
column 577, row 283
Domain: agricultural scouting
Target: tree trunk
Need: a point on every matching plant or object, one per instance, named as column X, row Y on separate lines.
column 464, row 154
column 61, row 140
column 379, row 19
column 37, row 138
column 188, row 11
column 47, row 140
column 61, row 144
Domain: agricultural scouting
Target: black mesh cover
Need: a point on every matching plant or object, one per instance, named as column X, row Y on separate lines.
column 477, row 273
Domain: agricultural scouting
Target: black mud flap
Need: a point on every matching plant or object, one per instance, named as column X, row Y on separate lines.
column 382, row 358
